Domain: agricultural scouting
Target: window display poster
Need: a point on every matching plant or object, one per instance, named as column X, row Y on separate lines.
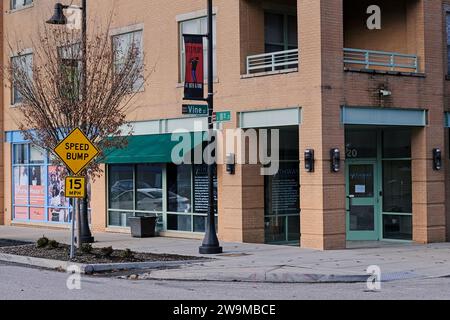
column 37, row 214
column 20, row 213
column 58, row 203
column 21, row 186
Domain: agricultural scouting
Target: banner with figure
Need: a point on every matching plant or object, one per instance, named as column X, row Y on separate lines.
column 194, row 78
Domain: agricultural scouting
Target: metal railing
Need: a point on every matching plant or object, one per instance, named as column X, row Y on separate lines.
column 274, row 61
column 371, row 59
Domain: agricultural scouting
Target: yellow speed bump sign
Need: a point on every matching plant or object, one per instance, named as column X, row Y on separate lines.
column 76, row 151
column 75, row 187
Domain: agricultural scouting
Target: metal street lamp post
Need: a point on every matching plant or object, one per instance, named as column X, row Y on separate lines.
column 211, row 242
column 58, row 18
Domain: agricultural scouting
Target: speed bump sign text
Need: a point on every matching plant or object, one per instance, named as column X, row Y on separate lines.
column 76, row 151
column 75, row 187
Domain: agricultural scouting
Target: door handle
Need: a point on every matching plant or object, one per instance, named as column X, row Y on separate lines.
column 350, row 202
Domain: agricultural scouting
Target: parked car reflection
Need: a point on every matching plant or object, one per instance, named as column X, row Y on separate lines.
column 148, row 199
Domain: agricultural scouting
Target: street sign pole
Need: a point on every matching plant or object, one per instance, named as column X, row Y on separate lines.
column 72, row 234
column 211, row 242
column 76, row 151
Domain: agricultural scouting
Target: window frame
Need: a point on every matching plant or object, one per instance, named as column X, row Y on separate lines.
column 13, row 91
column 13, row 7
column 285, row 14
column 127, row 32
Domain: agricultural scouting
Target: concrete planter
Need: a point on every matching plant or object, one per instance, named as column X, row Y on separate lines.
column 143, row 227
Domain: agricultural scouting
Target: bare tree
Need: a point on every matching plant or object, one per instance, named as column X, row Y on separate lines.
column 52, row 103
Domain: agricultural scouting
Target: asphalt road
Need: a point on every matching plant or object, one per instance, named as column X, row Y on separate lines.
column 17, row 282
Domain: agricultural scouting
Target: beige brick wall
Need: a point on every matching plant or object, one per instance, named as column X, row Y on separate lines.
column 320, row 88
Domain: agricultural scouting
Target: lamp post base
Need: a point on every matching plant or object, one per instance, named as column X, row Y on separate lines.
column 210, row 250
column 87, row 239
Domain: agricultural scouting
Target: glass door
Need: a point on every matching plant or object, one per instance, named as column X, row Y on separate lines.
column 362, row 201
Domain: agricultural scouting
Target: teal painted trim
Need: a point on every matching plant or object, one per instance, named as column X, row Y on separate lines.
column 384, row 117
column 447, row 120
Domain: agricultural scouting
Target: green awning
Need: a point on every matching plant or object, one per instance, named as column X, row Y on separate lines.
column 156, row 148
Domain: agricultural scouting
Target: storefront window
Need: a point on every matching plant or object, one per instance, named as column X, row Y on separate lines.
column 397, row 227
column 121, row 187
column 38, row 187
column 360, row 144
column 282, row 193
column 20, row 154
column 179, row 188
column 397, row 187
column 149, row 195
column 60, row 208
column 134, row 190
column 140, row 190
column 396, row 144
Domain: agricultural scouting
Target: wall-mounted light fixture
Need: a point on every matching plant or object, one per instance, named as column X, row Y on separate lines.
column 437, row 159
column 231, row 163
column 335, row 156
column 385, row 93
column 309, row 160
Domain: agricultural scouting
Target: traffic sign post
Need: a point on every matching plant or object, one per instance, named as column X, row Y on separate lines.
column 76, row 151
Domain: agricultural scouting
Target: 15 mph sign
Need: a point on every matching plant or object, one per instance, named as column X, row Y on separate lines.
column 76, row 151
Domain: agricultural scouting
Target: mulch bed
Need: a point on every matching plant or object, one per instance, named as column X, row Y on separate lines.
column 95, row 257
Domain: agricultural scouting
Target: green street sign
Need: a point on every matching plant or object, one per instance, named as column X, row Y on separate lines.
column 224, row 116
column 195, row 109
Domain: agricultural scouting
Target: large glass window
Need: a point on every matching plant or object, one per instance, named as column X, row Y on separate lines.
column 282, row 193
column 38, row 187
column 197, row 26
column 177, row 194
column 134, row 190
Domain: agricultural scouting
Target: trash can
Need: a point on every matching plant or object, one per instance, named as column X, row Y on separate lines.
column 143, row 227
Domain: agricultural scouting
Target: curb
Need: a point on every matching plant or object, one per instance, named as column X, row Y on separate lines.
column 91, row 268
column 255, row 277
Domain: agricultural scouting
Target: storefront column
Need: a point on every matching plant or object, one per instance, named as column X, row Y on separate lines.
column 429, row 221
column 322, row 193
column 241, row 204
column 99, row 210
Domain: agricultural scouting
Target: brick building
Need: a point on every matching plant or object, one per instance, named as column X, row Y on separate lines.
column 311, row 69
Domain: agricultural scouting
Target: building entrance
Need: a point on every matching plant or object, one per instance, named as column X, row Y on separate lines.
column 379, row 184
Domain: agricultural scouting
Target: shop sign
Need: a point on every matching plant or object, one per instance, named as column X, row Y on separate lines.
column 76, row 151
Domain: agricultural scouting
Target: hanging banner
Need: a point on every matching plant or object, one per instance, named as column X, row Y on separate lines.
column 194, row 79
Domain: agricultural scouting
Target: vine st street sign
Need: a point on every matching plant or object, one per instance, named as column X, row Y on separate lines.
column 195, row 109
column 76, row 151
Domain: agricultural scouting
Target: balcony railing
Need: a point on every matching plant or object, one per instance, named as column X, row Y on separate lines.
column 381, row 60
column 274, row 61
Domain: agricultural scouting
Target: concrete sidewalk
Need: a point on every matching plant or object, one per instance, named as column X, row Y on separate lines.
column 265, row 263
